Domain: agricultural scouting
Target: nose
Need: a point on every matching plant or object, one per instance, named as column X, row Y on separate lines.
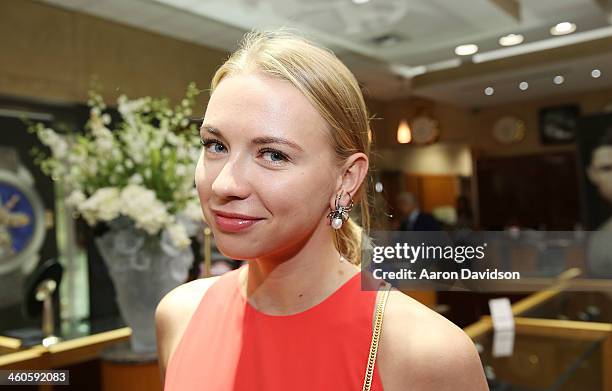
column 231, row 180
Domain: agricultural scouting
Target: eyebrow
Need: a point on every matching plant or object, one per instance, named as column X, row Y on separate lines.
column 257, row 140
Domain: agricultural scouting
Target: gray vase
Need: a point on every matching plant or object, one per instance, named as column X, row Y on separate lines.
column 143, row 269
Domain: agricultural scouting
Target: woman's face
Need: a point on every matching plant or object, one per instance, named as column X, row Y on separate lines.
column 266, row 155
column 600, row 171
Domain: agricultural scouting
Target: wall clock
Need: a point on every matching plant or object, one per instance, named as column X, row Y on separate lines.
column 509, row 130
column 425, row 130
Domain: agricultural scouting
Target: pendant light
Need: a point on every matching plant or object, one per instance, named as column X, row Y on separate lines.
column 404, row 134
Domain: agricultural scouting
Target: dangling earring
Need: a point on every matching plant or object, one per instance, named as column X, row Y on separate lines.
column 340, row 213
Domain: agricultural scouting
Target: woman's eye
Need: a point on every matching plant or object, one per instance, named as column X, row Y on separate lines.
column 212, row 145
column 274, row 156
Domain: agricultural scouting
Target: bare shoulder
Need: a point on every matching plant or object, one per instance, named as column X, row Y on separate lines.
column 424, row 349
column 172, row 316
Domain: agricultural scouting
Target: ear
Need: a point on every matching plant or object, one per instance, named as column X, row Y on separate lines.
column 352, row 174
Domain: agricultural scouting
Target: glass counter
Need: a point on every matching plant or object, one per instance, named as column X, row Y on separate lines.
column 576, row 306
column 543, row 363
column 562, row 340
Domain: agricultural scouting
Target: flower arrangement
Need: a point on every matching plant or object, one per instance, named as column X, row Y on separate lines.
column 141, row 169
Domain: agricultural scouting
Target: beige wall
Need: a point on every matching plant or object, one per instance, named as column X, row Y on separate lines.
column 462, row 126
column 435, row 159
column 51, row 54
column 590, row 103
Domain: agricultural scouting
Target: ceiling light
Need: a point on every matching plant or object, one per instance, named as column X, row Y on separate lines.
column 466, row 50
column 511, row 39
column 361, row 1
column 558, row 79
column 563, row 28
column 543, row 44
column 523, row 85
column 595, row 73
column 489, row 91
column 386, row 39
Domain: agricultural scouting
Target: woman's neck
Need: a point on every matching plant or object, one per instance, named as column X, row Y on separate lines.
column 297, row 283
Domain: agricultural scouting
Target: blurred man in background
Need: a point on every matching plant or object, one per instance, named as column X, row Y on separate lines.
column 413, row 219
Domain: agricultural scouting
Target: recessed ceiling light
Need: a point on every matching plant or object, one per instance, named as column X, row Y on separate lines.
column 563, row 28
column 466, row 50
column 386, row 40
column 489, row 91
column 523, row 85
column 511, row 39
column 361, row 1
column 595, row 73
column 558, row 79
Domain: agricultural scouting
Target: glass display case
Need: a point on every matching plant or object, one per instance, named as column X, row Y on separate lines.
column 543, row 363
column 576, row 306
column 562, row 340
column 79, row 342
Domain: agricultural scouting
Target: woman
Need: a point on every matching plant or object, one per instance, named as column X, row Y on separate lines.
column 285, row 155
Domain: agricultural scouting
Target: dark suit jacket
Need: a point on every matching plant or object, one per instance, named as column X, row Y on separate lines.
column 423, row 222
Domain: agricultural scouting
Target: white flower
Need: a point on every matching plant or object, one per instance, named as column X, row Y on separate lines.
column 127, row 107
column 91, row 167
column 104, row 145
column 99, row 130
column 178, row 235
column 135, row 179
column 181, row 170
column 193, row 210
column 136, row 144
column 75, row 198
column 144, row 208
column 104, row 204
column 74, row 173
column 172, row 139
column 57, row 144
column 116, row 154
column 103, row 137
column 76, row 159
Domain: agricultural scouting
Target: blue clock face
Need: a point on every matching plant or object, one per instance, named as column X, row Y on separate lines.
column 16, row 220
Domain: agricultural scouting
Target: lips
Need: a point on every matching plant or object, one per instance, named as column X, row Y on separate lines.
column 234, row 222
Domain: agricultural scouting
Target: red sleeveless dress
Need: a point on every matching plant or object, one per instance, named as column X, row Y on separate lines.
column 229, row 345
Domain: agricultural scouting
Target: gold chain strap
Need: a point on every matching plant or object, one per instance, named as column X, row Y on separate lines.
column 380, row 311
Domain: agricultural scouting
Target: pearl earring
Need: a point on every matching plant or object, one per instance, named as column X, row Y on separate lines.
column 340, row 213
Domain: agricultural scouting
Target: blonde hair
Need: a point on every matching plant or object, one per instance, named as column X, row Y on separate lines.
column 334, row 92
